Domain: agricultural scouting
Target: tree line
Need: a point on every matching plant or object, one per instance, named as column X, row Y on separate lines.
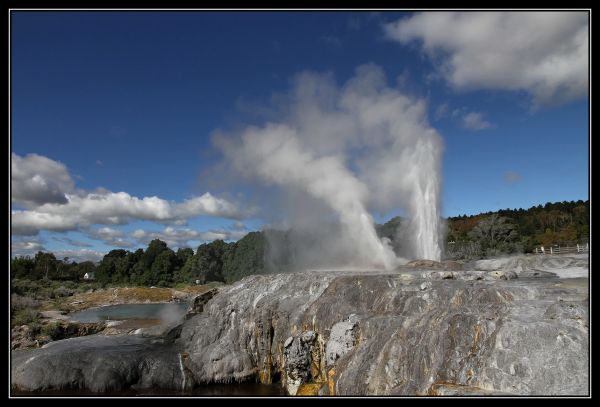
column 487, row 234
column 518, row 230
column 157, row 265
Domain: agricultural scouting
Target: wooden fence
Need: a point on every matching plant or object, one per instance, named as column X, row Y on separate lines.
column 579, row 248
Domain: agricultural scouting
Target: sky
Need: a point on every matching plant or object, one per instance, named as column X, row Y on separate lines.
column 114, row 114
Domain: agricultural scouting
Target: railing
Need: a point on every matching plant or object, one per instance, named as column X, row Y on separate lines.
column 579, row 248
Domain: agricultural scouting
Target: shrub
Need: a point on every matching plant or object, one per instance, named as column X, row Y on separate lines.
column 18, row 302
column 24, row 317
column 63, row 292
column 51, row 329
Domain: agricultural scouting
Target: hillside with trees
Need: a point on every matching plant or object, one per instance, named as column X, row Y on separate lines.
column 518, row 230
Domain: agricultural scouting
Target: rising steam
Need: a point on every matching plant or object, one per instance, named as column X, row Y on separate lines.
column 361, row 147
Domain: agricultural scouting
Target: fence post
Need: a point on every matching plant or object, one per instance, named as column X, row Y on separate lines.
column 551, row 250
column 577, row 247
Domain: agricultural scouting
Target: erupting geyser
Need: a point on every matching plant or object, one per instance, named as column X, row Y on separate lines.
column 361, row 147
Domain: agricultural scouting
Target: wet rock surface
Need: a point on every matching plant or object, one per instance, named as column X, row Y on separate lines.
column 407, row 332
column 96, row 363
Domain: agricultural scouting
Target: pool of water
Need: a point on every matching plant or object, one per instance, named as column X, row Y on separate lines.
column 163, row 311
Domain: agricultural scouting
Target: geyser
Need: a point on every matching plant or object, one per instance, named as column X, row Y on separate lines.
column 356, row 148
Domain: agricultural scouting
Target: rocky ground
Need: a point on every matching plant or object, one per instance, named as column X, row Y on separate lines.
column 54, row 323
column 509, row 326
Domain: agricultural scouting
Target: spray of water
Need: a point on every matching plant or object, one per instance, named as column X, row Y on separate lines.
column 356, row 148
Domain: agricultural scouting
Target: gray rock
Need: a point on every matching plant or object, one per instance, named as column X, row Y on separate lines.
column 344, row 336
column 200, row 301
column 297, row 358
column 424, row 286
column 96, row 363
column 472, row 334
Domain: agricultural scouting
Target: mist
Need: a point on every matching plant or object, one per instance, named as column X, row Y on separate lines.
column 339, row 154
column 170, row 314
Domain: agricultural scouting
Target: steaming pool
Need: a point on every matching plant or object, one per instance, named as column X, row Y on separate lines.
column 131, row 311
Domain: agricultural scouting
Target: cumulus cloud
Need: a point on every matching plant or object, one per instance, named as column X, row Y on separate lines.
column 45, row 187
column 185, row 237
column 79, row 255
column 512, row 177
column 29, row 247
column 109, row 236
column 208, row 204
column 22, row 247
column 544, row 53
column 138, row 233
column 37, row 180
column 475, row 121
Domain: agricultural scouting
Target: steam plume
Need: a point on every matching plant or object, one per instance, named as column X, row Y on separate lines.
column 356, row 148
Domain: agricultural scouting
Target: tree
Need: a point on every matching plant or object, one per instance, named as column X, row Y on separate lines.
column 245, row 257
column 45, row 265
column 210, row 261
column 155, row 247
column 206, row 265
column 22, row 267
column 107, row 269
column 162, row 268
column 183, row 254
column 390, row 230
column 496, row 235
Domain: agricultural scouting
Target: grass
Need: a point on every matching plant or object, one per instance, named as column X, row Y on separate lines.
column 126, row 295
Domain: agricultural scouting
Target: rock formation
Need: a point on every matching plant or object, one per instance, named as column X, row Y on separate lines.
column 482, row 330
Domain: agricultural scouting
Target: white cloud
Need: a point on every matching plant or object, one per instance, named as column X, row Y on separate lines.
column 138, row 233
column 47, row 189
column 238, row 226
column 185, row 237
column 543, row 53
column 36, row 180
column 79, row 255
column 111, row 237
column 207, row 204
column 108, row 233
column 30, row 247
column 512, row 177
column 31, row 222
column 475, row 121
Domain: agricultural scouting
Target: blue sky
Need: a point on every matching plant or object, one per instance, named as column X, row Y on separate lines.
column 129, row 102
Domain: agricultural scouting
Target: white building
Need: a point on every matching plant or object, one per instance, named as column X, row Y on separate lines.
column 88, row 276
